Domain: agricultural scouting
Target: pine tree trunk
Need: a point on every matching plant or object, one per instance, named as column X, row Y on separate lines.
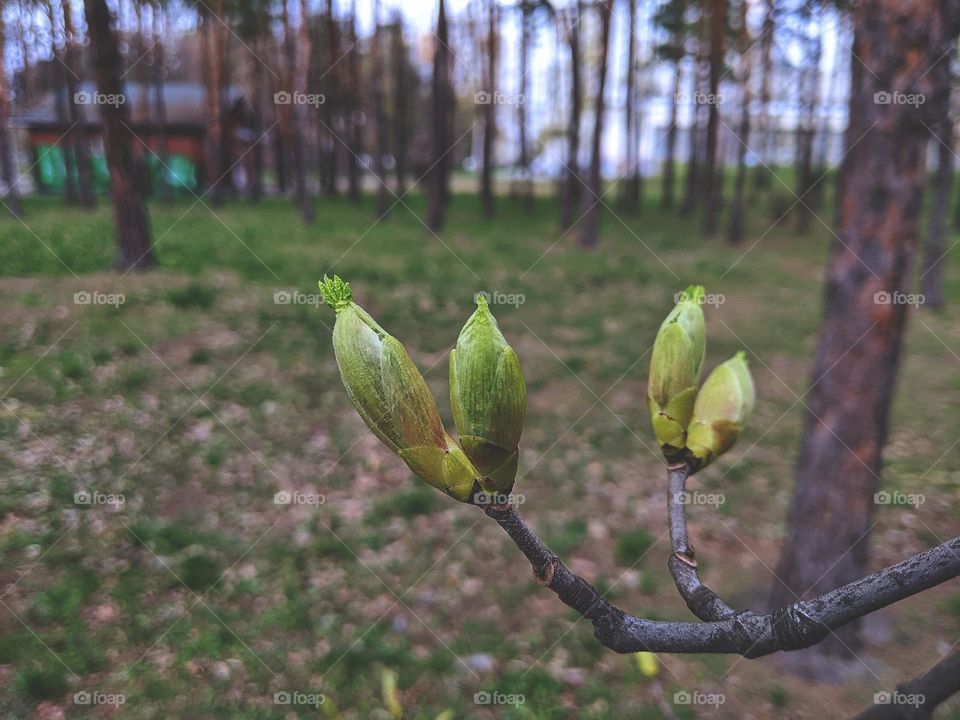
column 713, row 171
column 761, row 174
column 489, row 113
column 442, row 114
column 855, row 368
column 379, row 113
column 589, row 229
column 300, row 110
column 400, row 105
column 164, row 188
column 631, row 198
column 735, row 229
column 669, row 162
column 212, row 61
column 129, row 205
column 355, row 116
column 572, row 186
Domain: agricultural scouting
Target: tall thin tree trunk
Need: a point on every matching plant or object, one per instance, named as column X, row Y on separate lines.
column 589, row 230
column 735, row 229
column 523, row 161
column 761, row 174
column 255, row 184
column 356, row 118
column 332, row 109
column 856, row 363
column 442, row 114
column 132, row 224
column 631, row 199
column 692, row 181
column 62, row 100
column 807, row 130
column 932, row 277
column 300, row 109
column 212, row 61
column 400, row 104
column 572, row 186
column 379, row 112
column 489, row 112
column 713, row 171
column 669, row 166
column 78, row 139
column 8, row 166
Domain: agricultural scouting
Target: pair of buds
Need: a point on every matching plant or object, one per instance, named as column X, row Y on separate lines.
column 487, row 394
column 695, row 425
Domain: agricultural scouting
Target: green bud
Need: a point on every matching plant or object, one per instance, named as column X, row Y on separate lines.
column 392, row 397
column 723, row 405
column 489, row 399
column 675, row 366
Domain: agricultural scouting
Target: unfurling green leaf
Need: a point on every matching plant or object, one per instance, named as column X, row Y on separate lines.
column 489, row 399
column 722, row 407
column 675, row 366
column 392, row 397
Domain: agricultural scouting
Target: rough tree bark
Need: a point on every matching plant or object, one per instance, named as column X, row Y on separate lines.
column 571, row 183
column 442, row 116
column 855, row 367
column 589, row 229
column 132, row 225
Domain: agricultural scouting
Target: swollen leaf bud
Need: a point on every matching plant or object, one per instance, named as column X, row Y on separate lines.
column 723, row 405
column 489, row 399
column 392, row 397
column 675, row 366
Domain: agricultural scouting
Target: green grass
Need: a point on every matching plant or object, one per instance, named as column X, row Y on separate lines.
column 201, row 396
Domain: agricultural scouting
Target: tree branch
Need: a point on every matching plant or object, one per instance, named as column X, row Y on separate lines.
column 702, row 601
column 918, row 698
column 750, row 634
